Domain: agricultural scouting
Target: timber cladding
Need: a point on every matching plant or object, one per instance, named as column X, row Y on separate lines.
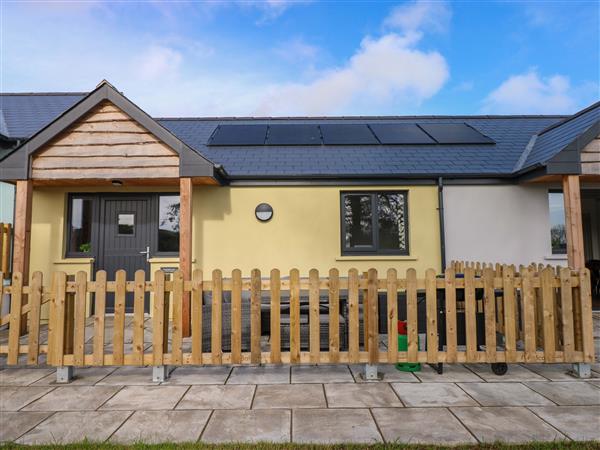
column 105, row 144
column 590, row 158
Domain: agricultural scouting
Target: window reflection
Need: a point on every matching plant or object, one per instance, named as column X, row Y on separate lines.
column 168, row 223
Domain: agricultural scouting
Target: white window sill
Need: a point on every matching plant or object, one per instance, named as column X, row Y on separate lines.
column 556, row 258
column 74, row 261
column 376, row 258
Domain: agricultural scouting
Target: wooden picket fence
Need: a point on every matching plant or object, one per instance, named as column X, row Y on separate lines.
column 529, row 316
column 5, row 248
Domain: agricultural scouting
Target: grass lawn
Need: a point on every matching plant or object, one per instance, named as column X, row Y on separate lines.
column 560, row 445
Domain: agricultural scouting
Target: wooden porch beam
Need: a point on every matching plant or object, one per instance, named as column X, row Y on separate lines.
column 185, row 245
column 573, row 221
column 22, row 234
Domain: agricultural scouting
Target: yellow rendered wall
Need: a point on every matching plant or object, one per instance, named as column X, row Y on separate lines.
column 304, row 232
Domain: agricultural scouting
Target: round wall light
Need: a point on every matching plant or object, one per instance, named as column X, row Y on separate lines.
column 264, row 212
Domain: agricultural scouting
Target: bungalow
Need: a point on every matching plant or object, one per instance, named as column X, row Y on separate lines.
column 102, row 185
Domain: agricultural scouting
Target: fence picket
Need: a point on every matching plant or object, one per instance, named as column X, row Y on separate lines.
column 489, row 310
column 16, row 297
column 139, row 296
column 431, row 307
column 547, row 276
column 35, row 302
column 450, row 297
column 119, row 318
column 99, row 314
column 216, row 317
column 470, row 311
column 392, row 315
column 529, row 325
column 197, row 317
column 59, row 295
column 354, row 328
column 275, row 316
column 313, row 320
column 236, row 316
column 587, row 324
column 255, row 332
column 159, row 337
column 334, row 316
column 411, row 316
column 566, row 308
column 510, row 327
column 373, row 321
column 177, row 324
column 294, row 316
column 79, row 322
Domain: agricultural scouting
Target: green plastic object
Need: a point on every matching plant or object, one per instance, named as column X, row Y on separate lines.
column 402, row 347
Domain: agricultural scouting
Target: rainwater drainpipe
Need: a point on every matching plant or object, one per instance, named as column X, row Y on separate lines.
column 441, row 218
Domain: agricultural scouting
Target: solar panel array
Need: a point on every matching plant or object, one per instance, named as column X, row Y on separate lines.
column 347, row 134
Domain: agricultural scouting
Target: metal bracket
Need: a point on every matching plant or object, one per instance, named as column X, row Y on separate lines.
column 582, row 370
column 64, row 374
column 160, row 374
column 371, row 372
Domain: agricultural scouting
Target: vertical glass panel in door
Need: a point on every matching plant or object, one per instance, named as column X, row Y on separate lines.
column 168, row 223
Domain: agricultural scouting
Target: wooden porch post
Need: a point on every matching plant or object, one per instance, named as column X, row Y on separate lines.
column 185, row 245
column 22, row 234
column 573, row 221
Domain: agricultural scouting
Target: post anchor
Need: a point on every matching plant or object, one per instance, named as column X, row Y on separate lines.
column 582, row 370
column 160, row 374
column 64, row 374
column 371, row 372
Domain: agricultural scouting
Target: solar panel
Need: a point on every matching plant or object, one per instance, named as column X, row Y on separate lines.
column 455, row 133
column 400, row 133
column 294, row 134
column 347, row 134
column 239, row 135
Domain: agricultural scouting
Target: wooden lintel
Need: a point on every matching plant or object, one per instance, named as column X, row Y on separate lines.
column 185, row 244
column 573, row 221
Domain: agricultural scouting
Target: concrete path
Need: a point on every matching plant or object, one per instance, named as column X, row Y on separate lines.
column 309, row 404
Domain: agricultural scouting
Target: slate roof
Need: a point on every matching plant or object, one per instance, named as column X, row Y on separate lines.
column 21, row 115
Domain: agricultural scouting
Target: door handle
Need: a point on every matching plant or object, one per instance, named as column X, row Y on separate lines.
column 147, row 253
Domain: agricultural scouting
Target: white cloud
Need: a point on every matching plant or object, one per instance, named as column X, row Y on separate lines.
column 530, row 93
column 297, row 50
column 157, row 62
column 420, row 15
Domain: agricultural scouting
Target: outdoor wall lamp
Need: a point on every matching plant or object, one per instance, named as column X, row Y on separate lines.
column 116, row 182
column 263, row 212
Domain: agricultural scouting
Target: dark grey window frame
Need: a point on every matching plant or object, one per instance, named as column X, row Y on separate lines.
column 97, row 198
column 373, row 250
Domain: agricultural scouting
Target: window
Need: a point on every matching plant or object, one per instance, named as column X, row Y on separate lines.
column 375, row 223
column 126, row 224
column 168, row 224
column 558, row 235
column 80, row 220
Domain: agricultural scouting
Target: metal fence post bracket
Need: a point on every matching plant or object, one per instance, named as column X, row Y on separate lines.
column 64, row 374
column 160, row 374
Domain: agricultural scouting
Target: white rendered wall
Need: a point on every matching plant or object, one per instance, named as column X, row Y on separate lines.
column 506, row 224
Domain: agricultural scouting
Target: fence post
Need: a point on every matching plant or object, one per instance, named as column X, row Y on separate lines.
column 371, row 325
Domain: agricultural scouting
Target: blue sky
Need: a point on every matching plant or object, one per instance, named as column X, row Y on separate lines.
column 280, row 57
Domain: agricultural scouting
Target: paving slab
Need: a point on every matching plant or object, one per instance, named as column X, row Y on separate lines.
column 504, row 394
column 432, row 394
column 75, row 426
column 406, row 425
column 322, row 374
column 22, row 377
column 289, row 396
column 334, row 426
column 389, row 372
column 507, row 424
column 453, row 373
column 260, row 375
column 146, row 398
column 554, row 372
column 199, row 375
column 73, row 398
column 594, row 382
column 580, row 423
column 129, row 376
column 567, row 393
column 13, row 398
column 153, row 427
column 85, row 376
column 255, row 425
column 15, row 424
column 515, row 373
column 361, row 395
column 218, row 397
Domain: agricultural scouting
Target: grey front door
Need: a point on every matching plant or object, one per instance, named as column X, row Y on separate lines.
column 125, row 227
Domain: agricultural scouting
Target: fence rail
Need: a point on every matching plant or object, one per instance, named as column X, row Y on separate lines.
column 529, row 315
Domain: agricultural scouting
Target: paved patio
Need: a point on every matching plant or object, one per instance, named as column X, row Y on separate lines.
column 308, row 404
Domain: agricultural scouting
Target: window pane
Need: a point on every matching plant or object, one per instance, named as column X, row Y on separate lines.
column 392, row 225
column 168, row 223
column 126, row 224
column 558, row 233
column 358, row 217
column 80, row 236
